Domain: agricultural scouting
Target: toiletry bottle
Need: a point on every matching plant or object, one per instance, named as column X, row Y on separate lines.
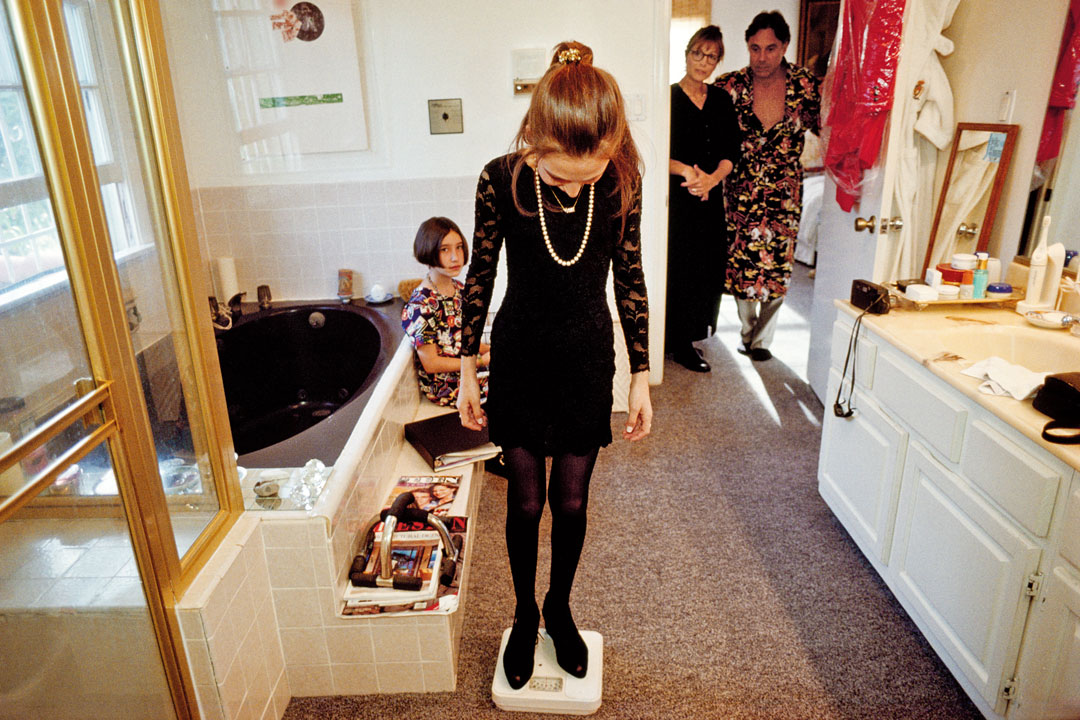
column 1036, row 274
column 1055, row 263
column 967, row 285
column 980, row 276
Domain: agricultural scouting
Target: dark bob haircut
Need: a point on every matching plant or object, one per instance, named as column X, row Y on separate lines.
column 772, row 20
column 707, row 34
column 430, row 236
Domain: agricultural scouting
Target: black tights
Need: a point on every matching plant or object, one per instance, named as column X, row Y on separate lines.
column 568, row 494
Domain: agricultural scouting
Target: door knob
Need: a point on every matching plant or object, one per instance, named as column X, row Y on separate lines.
column 863, row 224
column 890, row 224
column 966, row 230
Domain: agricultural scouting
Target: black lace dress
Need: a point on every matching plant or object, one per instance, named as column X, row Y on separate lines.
column 552, row 358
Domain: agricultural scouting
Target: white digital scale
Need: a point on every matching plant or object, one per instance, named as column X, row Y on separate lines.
column 551, row 689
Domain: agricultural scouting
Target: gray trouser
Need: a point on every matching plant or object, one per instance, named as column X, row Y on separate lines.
column 758, row 319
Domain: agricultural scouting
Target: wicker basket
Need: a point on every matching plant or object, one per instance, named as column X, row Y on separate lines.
column 405, row 287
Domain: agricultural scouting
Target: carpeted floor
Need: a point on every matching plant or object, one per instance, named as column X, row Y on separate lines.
column 722, row 584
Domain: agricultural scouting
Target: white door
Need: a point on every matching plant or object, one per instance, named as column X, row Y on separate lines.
column 844, row 253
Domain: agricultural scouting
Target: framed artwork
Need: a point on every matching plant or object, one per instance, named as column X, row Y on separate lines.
column 817, row 30
column 294, row 76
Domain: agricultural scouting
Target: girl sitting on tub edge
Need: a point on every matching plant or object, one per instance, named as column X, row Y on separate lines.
column 432, row 315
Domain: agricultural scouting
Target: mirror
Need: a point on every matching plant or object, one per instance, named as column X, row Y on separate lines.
column 968, row 201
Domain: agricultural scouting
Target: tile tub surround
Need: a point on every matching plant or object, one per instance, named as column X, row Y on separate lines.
column 261, row 622
column 295, row 237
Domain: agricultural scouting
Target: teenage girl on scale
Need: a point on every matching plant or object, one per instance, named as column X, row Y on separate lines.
column 567, row 206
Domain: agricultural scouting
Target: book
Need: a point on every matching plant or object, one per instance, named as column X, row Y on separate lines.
column 445, row 443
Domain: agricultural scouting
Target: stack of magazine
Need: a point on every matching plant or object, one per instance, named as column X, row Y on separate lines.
column 416, row 553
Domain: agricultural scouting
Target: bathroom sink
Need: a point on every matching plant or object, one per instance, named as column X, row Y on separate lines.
column 1037, row 350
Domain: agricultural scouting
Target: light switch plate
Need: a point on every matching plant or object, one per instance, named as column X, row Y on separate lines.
column 444, row 116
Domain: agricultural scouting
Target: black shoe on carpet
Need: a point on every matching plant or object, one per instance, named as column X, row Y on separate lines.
column 690, row 360
column 760, row 354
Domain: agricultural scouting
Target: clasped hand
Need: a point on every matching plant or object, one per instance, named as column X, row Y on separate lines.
column 698, row 182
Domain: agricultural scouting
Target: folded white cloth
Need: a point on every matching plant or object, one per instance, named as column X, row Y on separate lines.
column 1004, row 378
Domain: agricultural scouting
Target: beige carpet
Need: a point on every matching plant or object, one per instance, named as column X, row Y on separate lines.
column 722, row 584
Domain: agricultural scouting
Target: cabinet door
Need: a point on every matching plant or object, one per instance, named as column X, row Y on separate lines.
column 859, row 469
column 1048, row 686
column 960, row 567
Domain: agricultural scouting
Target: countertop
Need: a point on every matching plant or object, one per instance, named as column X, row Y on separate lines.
column 924, row 335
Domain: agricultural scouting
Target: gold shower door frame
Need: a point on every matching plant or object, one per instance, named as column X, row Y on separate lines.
column 115, row 404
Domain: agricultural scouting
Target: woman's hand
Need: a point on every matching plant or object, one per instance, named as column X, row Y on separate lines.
column 639, row 421
column 468, row 400
column 699, row 183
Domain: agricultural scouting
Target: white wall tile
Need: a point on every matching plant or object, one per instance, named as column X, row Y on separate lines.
column 310, row 680
column 304, row 646
column 350, row 645
column 297, row 608
column 290, row 568
column 355, row 679
column 399, row 677
column 438, row 677
column 395, row 643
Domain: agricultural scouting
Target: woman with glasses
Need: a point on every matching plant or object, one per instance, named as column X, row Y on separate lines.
column 704, row 148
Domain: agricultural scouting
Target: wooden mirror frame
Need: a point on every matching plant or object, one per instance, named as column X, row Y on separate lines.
column 987, row 223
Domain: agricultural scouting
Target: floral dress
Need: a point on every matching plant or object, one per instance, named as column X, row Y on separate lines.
column 433, row 319
column 764, row 191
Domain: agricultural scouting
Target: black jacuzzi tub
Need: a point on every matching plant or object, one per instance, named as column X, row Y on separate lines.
column 297, row 376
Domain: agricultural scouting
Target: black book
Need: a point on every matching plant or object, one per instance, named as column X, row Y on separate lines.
column 445, row 443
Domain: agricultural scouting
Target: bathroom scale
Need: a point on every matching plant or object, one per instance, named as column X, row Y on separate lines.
column 551, row 689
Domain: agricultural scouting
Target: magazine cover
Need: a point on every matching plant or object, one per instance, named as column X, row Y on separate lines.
column 434, row 493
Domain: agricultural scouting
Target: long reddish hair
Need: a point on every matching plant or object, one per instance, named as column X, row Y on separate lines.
column 577, row 109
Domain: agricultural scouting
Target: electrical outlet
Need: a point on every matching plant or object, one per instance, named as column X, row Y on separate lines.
column 1005, row 109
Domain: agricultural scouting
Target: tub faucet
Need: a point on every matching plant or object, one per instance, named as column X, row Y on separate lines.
column 234, row 304
column 264, row 297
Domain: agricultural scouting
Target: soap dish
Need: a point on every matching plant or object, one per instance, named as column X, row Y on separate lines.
column 1049, row 319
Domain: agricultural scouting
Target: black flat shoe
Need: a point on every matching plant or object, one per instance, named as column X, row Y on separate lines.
column 521, row 647
column 760, row 354
column 690, row 360
column 744, row 350
column 570, row 649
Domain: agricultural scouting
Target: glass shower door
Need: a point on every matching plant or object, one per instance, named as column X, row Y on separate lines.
column 74, row 616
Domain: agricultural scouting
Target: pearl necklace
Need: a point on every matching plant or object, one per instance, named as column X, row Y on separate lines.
column 544, row 230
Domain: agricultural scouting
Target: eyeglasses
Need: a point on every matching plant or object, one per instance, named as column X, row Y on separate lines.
column 698, row 55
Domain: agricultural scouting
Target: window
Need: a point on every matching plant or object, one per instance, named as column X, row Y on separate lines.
column 30, row 254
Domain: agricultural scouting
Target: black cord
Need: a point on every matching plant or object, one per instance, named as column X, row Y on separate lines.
column 843, row 408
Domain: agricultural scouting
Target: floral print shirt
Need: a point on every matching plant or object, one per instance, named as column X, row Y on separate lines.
column 764, row 191
column 431, row 318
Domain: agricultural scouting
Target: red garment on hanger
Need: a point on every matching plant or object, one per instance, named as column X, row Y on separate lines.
column 863, row 75
column 1063, row 89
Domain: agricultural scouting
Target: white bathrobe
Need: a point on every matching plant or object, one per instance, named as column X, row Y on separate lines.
column 926, row 127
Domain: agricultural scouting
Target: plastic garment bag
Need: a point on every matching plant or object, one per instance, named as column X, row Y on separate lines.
column 861, row 83
column 1063, row 89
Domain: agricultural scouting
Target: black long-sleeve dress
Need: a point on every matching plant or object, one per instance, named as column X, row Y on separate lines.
column 697, row 235
column 552, row 358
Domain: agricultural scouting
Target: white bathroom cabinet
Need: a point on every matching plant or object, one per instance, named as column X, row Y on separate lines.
column 973, row 525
